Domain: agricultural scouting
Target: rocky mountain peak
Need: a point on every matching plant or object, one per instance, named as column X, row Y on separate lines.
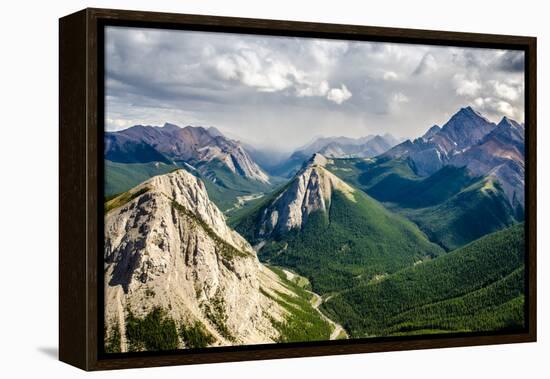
column 507, row 122
column 431, row 132
column 189, row 144
column 509, row 133
column 167, row 246
column 500, row 154
column 468, row 110
column 464, row 130
column 170, row 127
column 346, row 147
column 468, row 119
column 214, row 132
column 189, row 192
column 318, row 160
column 311, row 190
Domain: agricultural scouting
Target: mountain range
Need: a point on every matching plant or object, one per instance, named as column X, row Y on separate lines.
column 336, row 147
column 455, row 191
column 346, row 147
column 365, row 237
column 139, row 152
column 189, row 144
column 172, row 263
column 470, row 140
column 331, row 232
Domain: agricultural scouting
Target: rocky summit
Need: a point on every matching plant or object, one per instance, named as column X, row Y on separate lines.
column 501, row 155
column 167, row 246
column 470, row 140
column 438, row 145
column 310, row 190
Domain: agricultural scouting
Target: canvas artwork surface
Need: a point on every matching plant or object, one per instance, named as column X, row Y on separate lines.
column 266, row 190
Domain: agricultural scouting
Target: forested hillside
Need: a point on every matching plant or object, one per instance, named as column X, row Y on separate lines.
column 478, row 287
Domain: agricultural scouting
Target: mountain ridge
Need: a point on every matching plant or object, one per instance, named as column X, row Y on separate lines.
column 339, row 147
column 467, row 290
column 192, row 144
column 465, row 128
column 169, row 252
column 470, row 140
column 331, row 232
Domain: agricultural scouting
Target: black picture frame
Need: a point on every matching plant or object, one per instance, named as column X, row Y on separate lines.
column 81, row 111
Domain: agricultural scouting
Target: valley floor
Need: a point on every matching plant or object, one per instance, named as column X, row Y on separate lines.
column 338, row 331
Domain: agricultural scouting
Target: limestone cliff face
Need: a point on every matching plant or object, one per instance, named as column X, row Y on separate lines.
column 310, row 190
column 167, row 245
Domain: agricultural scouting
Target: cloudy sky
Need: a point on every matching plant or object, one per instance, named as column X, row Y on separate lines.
column 281, row 92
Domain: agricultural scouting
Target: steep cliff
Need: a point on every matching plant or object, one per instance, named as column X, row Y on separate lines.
column 167, row 247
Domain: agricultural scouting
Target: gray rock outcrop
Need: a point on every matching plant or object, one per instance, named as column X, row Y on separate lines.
column 167, row 245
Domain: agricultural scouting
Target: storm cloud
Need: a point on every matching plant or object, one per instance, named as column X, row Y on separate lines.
column 283, row 91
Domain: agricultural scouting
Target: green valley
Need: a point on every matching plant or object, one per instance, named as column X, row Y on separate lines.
column 229, row 191
column 304, row 322
column 475, row 288
column 275, row 189
column 354, row 241
column 120, row 177
column 450, row 206
column 225, row 187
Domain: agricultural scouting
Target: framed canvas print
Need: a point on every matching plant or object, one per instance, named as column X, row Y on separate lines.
column 237, row 189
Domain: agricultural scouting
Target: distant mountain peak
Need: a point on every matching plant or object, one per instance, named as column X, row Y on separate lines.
column 310, row 190
column 468, row 112
column 471, row 112
column 182, row 256
column 191, row 143
column 317, row 159
column 346, row 147
column 169, row 126
column 431, row 132
column 465, row 129
column 500, row 153
column 214, row 132
column 509, row 122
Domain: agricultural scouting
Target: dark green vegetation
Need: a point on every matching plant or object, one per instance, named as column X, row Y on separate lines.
column 477, row 210
column 112, row 340
column 365, row 173
column 379, row 260
column 304, row 323
column 120, row 177
column 411, row 192
column 215, row 313
column 123, row 198
column 352, row 243
column 227, row 250
column 478, row 287
column 224, row 186
column 450, row 206
column 154, row 332
column 196, row 336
